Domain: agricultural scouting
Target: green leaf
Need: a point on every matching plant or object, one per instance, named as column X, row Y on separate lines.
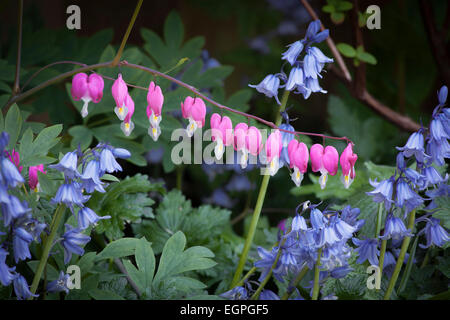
column 173, row 30
column 145, row 260
column 52, row 273
column 343, row 5
column 103, row 294
column 118, row 248
column 13, row 125
column 175, row 260
column 81, row 136
column 86, row 262
column 328, row 8
column 337, row 17
column 346, row 49
column 366, row 57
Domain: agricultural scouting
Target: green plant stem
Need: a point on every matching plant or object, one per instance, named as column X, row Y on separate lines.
column 426, row 259
column 258, row 207
column 401, row 257
column 127, row 33
column 382, row 253
column 409, row 264
column 57, row 217
column 315, row 293
column 247, row 275
column 294, row 284
column 379, row 218
column 16, row 86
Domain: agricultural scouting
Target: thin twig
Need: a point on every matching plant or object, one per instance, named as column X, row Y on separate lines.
column 122, row 269
column 127, row 33
column 124, row 63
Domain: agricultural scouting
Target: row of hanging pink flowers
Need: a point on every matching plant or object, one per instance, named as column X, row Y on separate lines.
column 246, row 140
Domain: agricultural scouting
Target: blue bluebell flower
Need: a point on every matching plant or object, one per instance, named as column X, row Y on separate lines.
column 9, row 175
column 72, row 241
column 107, row 162
column 367, row 250
column 343, row 229
column 438, row 128
column 68, row 165
column 317, row 219
column 401, row 163
column 299, row 223
column 439, row 150
column 442, row 95
column 21, row 288
column 350, row 215
column 296, row 78
column 267, row 294
column 237, row 293
column 221, row 198
column 269, row 86
column 314, row 62
column 340, row 272
column 87, row 216
column 313, row 35
column 395, row 229
column 91, row 177
column 417, row 179
column 415, row 147
column 21, row 242
column 4, row 140
column 406, row 197
column 121, row 153
column 69, row 194
column 6, row 275
column 266, row 262
column 60, row 284
column 313, row 85
column 435, row 234
column 293, row 52
column 383, row 191
column 433, row 177
column 442, row 190
column 13, row 209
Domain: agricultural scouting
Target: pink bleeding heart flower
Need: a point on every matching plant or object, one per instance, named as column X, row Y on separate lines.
column 87, row 89
column 325, row 161
column 273, row 150
column 155, row 100
column 33, row 180
column 298, row 159
column 347, row 160
column 222, row 133
column 246, row 140
column 15, row 158
column 120, row 92
column 127, row 125
column 194, row 110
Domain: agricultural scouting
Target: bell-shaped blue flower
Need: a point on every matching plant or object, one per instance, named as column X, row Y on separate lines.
column 299, row 223
column 69, row 194
column 406, row 197
column 268, row 295
column 395, row 229
column 121, row 153
column 293, row 52
column 72, row 241
column 269, row 86
column 13, row 209
column 433, row 177
column 237, row 293
column 296, row 78
column 91, row 177
column 9, row 174
column 435, row 234
column 107, row 162
column 6, row 275
column 350, row 215
column 87, row 216
column 383, row 192
column 68, row 165
column 442, row 95
column 367, row 250
column 417, row 179
column 439, row 150
column 312, row 84
column 60, row 284
column 415, row 147
column 21, row 242
column 22, row 289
